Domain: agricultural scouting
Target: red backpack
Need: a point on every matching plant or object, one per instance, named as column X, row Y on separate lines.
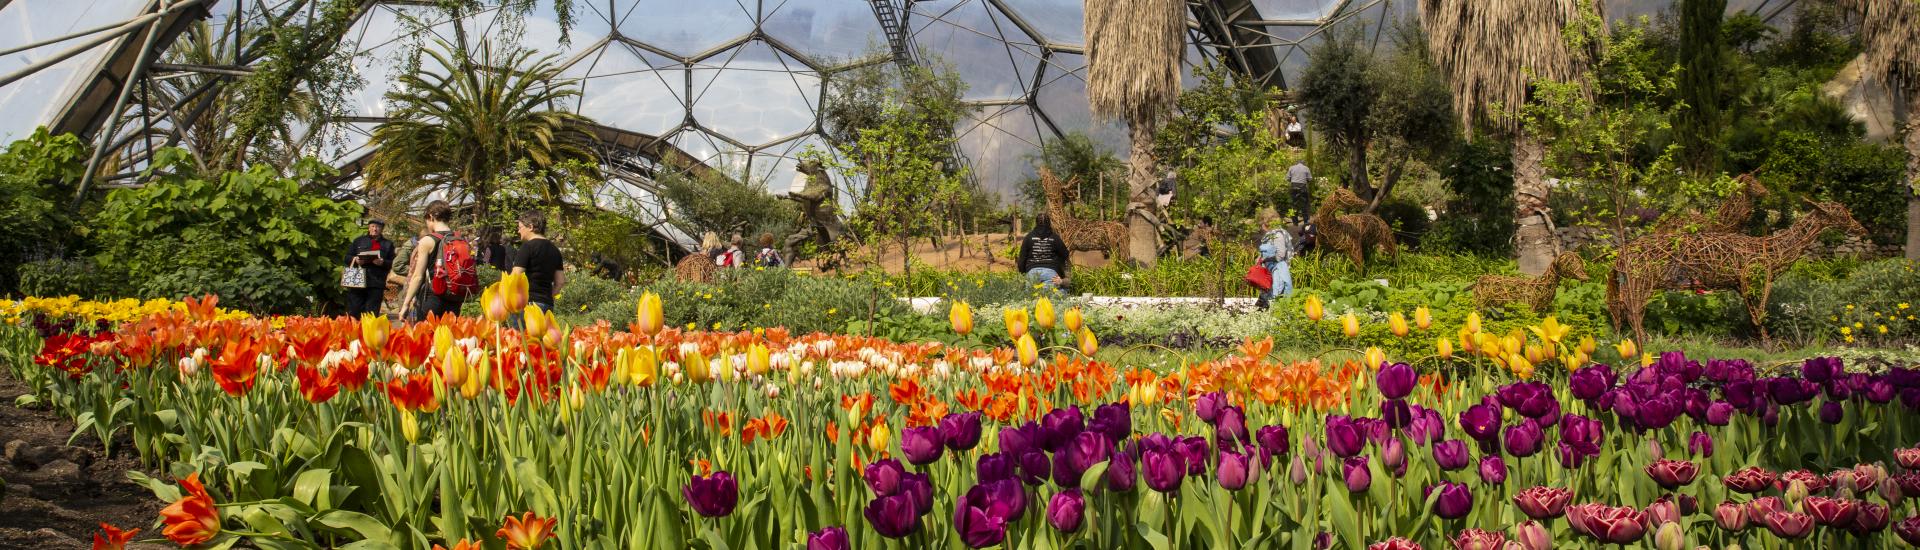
column 454, row 275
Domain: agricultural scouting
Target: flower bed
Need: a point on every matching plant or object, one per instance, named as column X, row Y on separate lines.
column 301, row 432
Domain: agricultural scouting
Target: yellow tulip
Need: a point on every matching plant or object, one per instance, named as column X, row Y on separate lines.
column 453, row 367
column 1550, row 330
column 1473, row 322
column 1043, row 313
column 1444, row 347
column 536, row 321
column 1143, row 394
column 1029, row 351
column 1397, row 324
column 696, row 367
column 373, row 331
column 649, row 320
column 1466, row 340
column 477, row 378
column 1088, row 344
column 1375, row 358
column 878, row 437
column 1587, row 345
column 642, row 367
column 1520, row 366
column 494, row 305
column 1626, row 348
column 1350, row 325
column 1422, row 318
column 442, row 341
column 1016, row 319
column 1075, row 320
column 961, row 317
column 514, row 291
column 1646, row 359
column 409, row 427
column 1315, row 310
column 1537, row 354
column 1513, row 343
column 757, row 359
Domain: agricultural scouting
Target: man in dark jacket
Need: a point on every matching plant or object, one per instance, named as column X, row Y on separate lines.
column 375, row 253
column 1044, row 257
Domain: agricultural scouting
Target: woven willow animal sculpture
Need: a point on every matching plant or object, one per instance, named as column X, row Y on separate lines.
column 1534, row 292
column 695, row 268
column 1716, row 261
column 1351, row 234
column 1727, row 218
column 1110, row 238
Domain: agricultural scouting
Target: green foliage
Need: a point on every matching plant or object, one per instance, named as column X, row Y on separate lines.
column 1703, row 52
column 1396, row 107
column 1340, row 88
column 1865, row 177
column 909, row 190
column 927, row 93
column 583, row 291
column 252, row 222
column 65, row 277
column 33, row 219
column 1812, row 303
column 756, row 298
column 1407, row 218
column 725, row 205
column 1100, row 178
column 1229, row 177
column 1479, row 217
column 299, row 76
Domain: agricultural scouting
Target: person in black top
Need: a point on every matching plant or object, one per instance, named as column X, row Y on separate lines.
column 375, row 253
column 492, row 251
column 1043, row 255
column 539, row 259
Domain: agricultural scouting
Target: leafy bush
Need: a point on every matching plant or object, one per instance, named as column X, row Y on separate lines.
column 583, row 291
column 33, row 219
column 1808, row 308
column 1479, row 219
column 254, row 286
column 756, row 299
column 64, row 277
column 1408, row 220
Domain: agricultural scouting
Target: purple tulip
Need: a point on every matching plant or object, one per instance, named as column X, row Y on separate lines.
column 1396, row 381
column 1343, row 436
column 981, row 516
column 1700, row 444
column 712, row 496
column 1034, row 467
column 1060, row 426
column 960, row 431
column 1394, row 456
column 1481, row 422
column 1587, row 383
column 1086, row 450
column 1454, row 502
column 1230, row 426
column 1066, row 510
column 1120, row 473
column 1395, row 413
column 995, row 467
column 1208, row 406
column 920, row 488
column 830, row 538
column 1113, row 419
column 1493, row 470
column 1719, row 413
column 1820, row 369
column 976, row 528
column 883, row 476
column 922, row 445
column 1193, row 453
column 1358, row 476
column 1017, row 441
column 1451, row 454
column 1297, row 472
column 1163, row 470
column 1530, row 399
column 1880, row 391
column 1523, row 439
column 1273, row 442
column 1832, row 413
column 1235, row 470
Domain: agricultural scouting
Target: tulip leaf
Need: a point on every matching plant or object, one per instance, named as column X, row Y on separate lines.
column 1090, row 479
column 534, row 486
column 370, row 545
column 1154, row 538
column 1340, row 511
column 311, row 488
column 355, row 522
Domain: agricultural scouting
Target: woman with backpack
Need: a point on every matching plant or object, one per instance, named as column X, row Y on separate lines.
column 444, row 275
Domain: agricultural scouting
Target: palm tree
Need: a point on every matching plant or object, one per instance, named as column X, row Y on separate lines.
column 1133, row 73
column 1890, row 30
column 1490, row 52
column 456, row 127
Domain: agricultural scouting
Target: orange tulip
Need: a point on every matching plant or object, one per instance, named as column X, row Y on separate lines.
column 192, row 519
column 464, row 544
column 1397, row 324
column 236, row 366
column 112, row 538
column 317, row 388
column 526, row 532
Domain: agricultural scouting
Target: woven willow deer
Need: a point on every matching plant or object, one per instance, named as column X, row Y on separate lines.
column 1351, row 234
column 1727, row 218
column 1717, row 261
column 1110, row 238
column 1534, row 292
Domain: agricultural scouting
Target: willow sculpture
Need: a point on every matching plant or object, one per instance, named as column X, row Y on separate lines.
column 1534, row 292
column 1351, row 234
column 1727, row 218
column 1110, row 238
column 1727, row 261
column 1133, row 73
column 695, row 268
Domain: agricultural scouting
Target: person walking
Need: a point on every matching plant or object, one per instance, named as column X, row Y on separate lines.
column 1300, row 179
column 1043, row 255
column 374, row 253
column 1276, row 252
column 442, row 271
column 540, row 260
column 735, row 257
column 768, row 256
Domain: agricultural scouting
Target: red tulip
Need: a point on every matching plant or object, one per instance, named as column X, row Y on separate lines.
column 1758, row 509
column 1908, row 458
column 317, row 388
column 1615, row 525
column 1730, row 516
column 1789, row 525
column 1672, row 474
column 192, row 519
column 1908, row 530
column 1831, row 512
column 1542, row 502
column 112, row 538
column 1869, row 519
column 1395, row 543
column 1749, row 480
column 1815, row 482
column 1476, row 539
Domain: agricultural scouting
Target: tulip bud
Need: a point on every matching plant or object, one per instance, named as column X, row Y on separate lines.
column 1669, row 537
column 1314, row 309
column 1043, row 313
column 1298, row 472
column 409, row 427
column 1088, row 344
column 1532, row 536
column 1397, row 324
column 1422, row 318
column 1444, row 347
column 1029, row 351
column 877, row 438
column 1350, row 325
column 1730, row 516
column 1796, row 491
column 1016, row 320
column 961, row 317
column 1473, row 322
column 1074, row 319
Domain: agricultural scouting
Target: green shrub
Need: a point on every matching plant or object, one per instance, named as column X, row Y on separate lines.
column 255, row 286
column 65, row 277
column 756, row 298
column 583, row 291
column 1810, row 308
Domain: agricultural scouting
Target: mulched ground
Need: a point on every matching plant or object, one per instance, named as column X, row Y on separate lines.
column 58, row 494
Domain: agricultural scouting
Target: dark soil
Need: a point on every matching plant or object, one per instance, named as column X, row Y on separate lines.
column 57, row 495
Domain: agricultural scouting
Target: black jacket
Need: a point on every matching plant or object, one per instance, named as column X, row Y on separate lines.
column 1044, row 250
column 365, row 243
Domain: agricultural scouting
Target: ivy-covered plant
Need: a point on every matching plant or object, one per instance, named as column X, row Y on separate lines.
column 33, row 221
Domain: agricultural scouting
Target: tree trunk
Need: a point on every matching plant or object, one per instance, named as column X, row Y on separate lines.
column 1913, row 174
column 1534, row 242
column 1357, row 171
column 1395, row 168
column 1143, row 239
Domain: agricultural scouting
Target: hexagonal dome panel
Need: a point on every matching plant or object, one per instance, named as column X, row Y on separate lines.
column 754, row 94
column 686, row 28
column 631, row 89
column 995, row 58
column 997, row 141
column 827, row 32
column 1059, row 22
column 1297, row 10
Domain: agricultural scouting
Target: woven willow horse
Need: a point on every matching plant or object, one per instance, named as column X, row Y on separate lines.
column 1534, row 292
column 1110, row 238
column 1717, row 261
column 1351, row 234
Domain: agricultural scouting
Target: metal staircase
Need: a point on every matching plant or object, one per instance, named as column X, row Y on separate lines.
column 895, row 27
